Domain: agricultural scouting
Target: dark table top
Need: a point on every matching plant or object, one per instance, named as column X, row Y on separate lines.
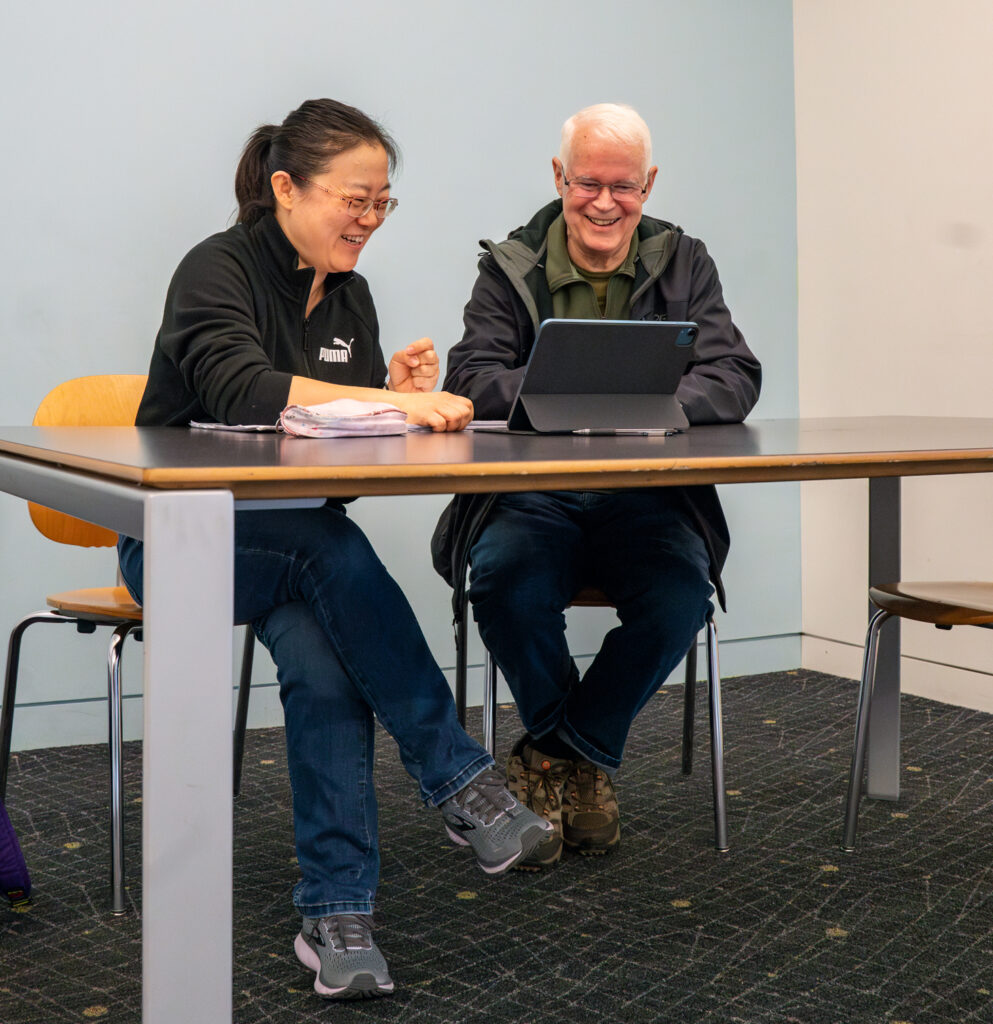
column 274, row 465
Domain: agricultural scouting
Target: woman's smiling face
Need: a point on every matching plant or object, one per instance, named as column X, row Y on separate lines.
column 318, row 224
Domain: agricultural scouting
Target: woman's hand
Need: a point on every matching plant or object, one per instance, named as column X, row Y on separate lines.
column 435, row 409
column 414, row 368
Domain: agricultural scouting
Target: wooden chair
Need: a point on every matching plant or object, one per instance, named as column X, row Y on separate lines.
column 589, row 597
column 108, row 400
column 943, row 604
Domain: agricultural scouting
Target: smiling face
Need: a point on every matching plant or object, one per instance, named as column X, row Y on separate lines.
column 325, row 235
column 599, row 230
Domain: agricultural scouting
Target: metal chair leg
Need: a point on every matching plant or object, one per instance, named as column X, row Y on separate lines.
column 10, row 687
column 461, row 661
column 861, row 730
column 241, row 712
column 489, row 704
column 116, row 754
column 689, row 708
column 716, row 739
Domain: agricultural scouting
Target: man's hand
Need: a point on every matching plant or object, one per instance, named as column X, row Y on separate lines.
column 414, row 368
column 435, row 409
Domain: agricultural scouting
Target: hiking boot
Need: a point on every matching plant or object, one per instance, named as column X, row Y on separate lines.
column 537, row 780
column 486, row 817
column 591, row 822
column 341, row 952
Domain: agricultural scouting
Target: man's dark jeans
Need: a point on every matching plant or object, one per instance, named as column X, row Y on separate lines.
column 536, row 551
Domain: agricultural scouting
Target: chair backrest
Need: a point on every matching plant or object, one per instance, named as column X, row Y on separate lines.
column 108, row 400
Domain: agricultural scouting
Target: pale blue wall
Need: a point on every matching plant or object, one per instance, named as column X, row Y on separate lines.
column 122, row 127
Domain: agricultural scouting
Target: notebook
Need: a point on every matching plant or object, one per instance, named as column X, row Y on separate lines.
column 604, row 376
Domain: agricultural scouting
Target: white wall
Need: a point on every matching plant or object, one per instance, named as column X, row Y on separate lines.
column 122, row 127
column 895, row 238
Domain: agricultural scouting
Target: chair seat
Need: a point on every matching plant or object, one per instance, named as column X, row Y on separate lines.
column 111, row 603
column 590, row 597
column 945, row 603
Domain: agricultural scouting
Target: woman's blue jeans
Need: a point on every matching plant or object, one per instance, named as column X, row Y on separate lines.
column 347, row 648
column 536, row 551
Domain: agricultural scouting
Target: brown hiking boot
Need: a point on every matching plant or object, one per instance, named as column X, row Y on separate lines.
column 536, row 781
column 591, row 823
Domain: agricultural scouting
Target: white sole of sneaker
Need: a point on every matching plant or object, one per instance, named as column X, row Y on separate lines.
column 361, row 986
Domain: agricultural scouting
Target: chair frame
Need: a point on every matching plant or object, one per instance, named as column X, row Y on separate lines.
column 856, row 777
column 123, row 628
column 119, row 394
column 689, row 708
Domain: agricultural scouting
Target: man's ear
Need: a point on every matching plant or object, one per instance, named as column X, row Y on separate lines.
column 652, row 171
column 282, row 189
column 559, row 175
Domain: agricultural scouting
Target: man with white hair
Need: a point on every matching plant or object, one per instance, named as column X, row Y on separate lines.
column 656, row 553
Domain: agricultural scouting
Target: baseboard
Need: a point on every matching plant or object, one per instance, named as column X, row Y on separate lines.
column 945, row 683
column 738, row 657
column 60, row 724
column 66, row 723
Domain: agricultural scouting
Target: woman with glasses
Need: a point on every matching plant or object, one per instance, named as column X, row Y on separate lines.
column 271, row 313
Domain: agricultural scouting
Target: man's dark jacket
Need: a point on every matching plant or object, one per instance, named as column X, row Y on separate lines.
column 675, row 279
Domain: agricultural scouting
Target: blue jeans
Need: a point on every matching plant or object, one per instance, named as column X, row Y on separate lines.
column 536, row 551
column 347, row 648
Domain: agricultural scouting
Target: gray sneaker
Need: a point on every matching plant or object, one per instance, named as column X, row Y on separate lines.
column 341, row 952
column 486, row 817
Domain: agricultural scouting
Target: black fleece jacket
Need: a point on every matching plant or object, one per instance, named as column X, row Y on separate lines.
column 675, row 279
column 235, row 332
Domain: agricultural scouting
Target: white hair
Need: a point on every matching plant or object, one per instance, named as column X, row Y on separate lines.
column 615, row 121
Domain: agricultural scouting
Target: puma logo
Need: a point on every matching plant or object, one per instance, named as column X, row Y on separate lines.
column 336, row 355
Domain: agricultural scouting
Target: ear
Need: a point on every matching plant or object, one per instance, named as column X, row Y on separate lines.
column 559, row 175
column 652, row 171
column 283, row 190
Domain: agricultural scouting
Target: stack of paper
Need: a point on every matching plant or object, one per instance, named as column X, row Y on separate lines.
column 343, row 417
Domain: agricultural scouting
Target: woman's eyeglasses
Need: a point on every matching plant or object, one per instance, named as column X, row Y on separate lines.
column 356, row 207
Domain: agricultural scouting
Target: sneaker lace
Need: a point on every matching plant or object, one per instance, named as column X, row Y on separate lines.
column 486, row 797
column 349, row 931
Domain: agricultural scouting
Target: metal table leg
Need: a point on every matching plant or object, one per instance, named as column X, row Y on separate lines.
column 883, row 776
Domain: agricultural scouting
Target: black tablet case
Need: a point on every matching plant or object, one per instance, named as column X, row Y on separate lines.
column 604, row 375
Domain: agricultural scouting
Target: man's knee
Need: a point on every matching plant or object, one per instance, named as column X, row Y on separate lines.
column 674, row 605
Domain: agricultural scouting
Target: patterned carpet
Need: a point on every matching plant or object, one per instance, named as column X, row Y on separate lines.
column 782, row 929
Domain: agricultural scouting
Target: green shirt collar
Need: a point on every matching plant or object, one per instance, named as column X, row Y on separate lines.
column 559, row 268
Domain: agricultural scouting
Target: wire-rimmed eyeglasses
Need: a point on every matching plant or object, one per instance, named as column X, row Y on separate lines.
column 586, row 188
column 357, row 207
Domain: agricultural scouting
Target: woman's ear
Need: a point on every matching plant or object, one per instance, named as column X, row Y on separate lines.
column 282, row 189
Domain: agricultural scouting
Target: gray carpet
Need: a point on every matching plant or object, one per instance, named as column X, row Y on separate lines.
column 782, row 929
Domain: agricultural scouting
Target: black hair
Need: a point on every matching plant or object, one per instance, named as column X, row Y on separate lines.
column 303, row 145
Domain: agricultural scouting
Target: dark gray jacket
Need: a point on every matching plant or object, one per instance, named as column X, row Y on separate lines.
column 675, row 279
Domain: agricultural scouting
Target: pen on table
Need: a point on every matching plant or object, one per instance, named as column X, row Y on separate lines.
column 624, row 432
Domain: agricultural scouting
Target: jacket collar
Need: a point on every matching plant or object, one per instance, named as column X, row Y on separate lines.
column 559, row 267
column 282, row 260
column 525, row 246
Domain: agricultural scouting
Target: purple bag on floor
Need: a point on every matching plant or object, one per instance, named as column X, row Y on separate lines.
column 15, row 882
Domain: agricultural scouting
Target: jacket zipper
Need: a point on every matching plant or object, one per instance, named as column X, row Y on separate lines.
column 306, row 347
column 308, row 362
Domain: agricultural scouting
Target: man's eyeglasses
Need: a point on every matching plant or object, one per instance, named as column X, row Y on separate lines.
column 356, row 207
column 585, row 188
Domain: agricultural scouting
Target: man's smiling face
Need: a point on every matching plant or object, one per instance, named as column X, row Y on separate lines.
column 599, row 229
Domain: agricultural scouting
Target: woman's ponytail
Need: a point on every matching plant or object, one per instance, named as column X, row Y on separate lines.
column 251, row 181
